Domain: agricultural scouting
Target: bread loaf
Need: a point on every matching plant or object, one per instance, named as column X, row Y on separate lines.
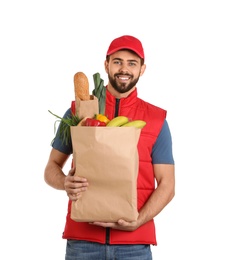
column 81, row 85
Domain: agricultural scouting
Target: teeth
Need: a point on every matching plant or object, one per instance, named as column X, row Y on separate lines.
column 124, row 77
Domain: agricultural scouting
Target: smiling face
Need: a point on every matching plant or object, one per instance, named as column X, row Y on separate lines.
column 124, row 69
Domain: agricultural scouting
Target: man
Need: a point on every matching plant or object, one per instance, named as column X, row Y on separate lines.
column 123, row 240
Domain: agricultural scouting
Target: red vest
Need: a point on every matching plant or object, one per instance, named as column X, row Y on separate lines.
column 133, row 108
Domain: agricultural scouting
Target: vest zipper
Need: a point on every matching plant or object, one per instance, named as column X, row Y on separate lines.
column 117, row 107
column 116, row 114
column 107, row 235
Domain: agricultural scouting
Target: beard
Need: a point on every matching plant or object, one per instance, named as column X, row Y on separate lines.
column 122, row 87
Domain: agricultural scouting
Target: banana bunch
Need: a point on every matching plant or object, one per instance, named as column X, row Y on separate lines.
column 123, row 121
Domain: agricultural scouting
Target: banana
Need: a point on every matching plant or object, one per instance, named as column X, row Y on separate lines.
column 118, row 121
column 135, row 123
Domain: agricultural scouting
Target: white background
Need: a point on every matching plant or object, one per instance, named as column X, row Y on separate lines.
column 188, row 57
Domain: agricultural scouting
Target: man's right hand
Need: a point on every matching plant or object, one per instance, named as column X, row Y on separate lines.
column 75, row 185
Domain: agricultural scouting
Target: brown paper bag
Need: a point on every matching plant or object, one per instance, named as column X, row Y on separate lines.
column 87, row 108
column 108, row 158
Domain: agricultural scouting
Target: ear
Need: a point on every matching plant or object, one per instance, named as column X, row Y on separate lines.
column 106, row 66
column 143, row 68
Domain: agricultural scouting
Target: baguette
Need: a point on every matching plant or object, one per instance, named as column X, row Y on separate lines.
column 81, row 86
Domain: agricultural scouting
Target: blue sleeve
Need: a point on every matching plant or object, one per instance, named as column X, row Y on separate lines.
column 162, row 149
column 58, row 144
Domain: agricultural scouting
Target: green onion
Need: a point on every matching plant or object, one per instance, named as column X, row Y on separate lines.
column 64, row 132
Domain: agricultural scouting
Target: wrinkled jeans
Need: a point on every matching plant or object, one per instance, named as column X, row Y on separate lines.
column 84, row 250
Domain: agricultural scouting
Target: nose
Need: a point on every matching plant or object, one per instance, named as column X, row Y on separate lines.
column 123, row 68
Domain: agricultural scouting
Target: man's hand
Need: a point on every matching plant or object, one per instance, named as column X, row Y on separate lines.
column 75, row 185
column 121, row 225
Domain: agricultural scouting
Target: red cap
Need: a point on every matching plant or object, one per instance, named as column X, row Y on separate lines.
column 126, row 42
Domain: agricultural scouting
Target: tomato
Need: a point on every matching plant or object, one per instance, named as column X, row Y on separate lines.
column 94, row 122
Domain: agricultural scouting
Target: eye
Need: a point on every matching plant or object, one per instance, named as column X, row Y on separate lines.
column 132, row 64
column 117, row 62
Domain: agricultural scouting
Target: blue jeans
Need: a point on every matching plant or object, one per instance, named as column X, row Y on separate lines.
column 84, row 250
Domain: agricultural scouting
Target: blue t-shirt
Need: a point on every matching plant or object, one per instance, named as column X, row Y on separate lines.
column 161, row 151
